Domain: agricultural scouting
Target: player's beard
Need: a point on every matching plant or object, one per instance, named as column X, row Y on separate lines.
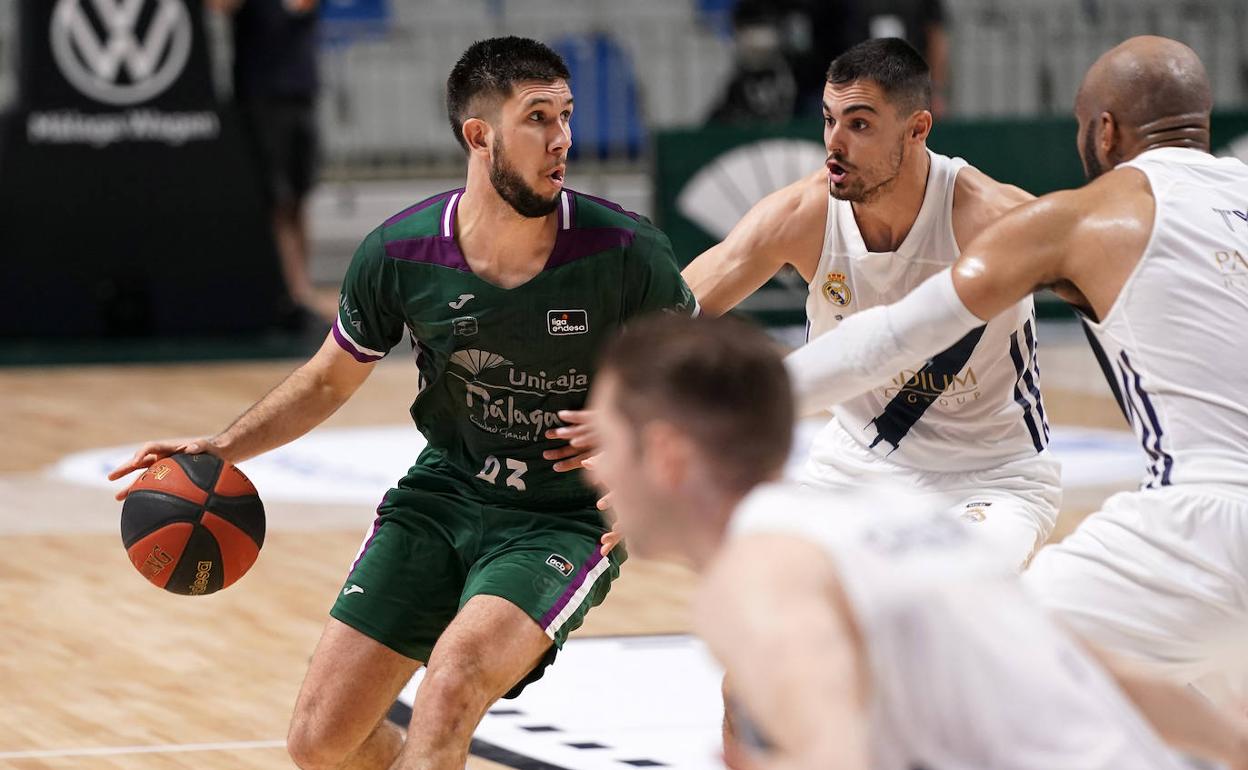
column 512, row 188
column 858, row 192
column 1092, row 167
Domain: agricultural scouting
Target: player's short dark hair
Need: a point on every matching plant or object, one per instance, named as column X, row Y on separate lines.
column 893, row 65
column 492, row 68
column 720, row 381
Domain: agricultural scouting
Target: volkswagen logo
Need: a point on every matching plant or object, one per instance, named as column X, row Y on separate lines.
column 121, row 52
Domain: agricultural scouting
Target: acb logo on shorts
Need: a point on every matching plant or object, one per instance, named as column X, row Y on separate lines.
column 558, row 562
column 561, row 322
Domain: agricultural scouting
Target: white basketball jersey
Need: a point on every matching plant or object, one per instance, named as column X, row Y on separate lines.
column 965, row 672
column 973, row 406
column 1172, row 345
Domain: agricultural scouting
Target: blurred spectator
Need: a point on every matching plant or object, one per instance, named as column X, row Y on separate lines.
column 836, row 26
column 921, row 23
column 276, row 85
column 762, row 88
column 782, row 52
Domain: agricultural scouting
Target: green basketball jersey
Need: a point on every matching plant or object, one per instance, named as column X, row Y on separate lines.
column 496, row 365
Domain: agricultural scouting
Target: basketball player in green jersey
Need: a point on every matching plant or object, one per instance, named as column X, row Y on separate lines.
column 486, row 555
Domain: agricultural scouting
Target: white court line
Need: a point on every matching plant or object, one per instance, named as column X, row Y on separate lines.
column 170, row 748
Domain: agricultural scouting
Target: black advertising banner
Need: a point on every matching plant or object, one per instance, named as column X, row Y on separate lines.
column 89, row 54
column 129, row 205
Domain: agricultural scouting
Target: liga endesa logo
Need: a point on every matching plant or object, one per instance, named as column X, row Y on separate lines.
column 121, row 52
column 561, row 322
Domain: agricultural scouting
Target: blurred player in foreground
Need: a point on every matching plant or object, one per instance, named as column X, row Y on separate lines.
column 1153, row 254
column 868, row 630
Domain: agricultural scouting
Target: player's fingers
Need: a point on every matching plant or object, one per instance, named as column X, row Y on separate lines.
column 560, row 453
column 584, row 439
column 571, row 432
column 155, row 450
column 575, row 416
column 136, row 460
column 141, row 459
column 121, row 495
column 573, row 464
column 604, row 502
column 609, row 541
column 122, row 470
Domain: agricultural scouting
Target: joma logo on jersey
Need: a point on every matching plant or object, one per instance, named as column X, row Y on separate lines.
column 558, row 562
column 561, row 322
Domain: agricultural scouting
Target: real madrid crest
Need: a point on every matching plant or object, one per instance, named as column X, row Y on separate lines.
column 836, row 289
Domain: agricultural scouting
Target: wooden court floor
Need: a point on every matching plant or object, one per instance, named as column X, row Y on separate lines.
column 99, row 670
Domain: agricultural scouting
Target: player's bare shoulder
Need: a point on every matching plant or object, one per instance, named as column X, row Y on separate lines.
column 786, row 227
column 1082, row 243
column 1112, row 215
column 797, row 214
column 979, row 200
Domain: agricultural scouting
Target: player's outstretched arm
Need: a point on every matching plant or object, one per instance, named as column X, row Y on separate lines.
column 302, row 401
column 305, row 399
column 1183, row 718
column 786, row 227
column 784, row 636
column 1026, row 249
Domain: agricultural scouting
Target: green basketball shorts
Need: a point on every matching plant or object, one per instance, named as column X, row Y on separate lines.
column 433, row 547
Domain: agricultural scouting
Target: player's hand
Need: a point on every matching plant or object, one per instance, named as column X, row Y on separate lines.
column 578, row 430
column 610, row 539
column 152, row 451
column 604, row 502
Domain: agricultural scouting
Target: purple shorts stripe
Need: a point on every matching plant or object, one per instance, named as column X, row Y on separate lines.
column 346, row 345
column 558, row 606
column 372, row 536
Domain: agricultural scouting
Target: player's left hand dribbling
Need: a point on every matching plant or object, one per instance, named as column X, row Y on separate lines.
column 152, row 451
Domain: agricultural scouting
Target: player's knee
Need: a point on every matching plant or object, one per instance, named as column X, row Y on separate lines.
column 451, row 692
column 312, row 747
column 309, row 752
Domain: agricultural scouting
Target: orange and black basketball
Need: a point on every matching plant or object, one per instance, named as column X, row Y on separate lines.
column 192, row 524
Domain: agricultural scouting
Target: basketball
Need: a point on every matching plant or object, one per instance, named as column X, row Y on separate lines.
column 192, row 524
